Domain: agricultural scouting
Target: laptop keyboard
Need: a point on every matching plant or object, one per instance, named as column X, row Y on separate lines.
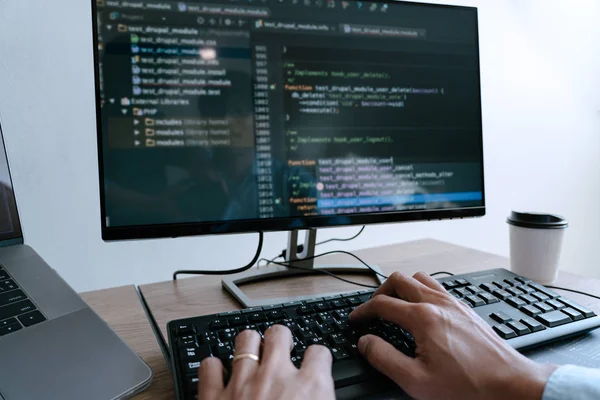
column 17, row 311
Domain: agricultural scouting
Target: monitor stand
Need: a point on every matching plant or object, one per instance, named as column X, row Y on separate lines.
column 303, row 260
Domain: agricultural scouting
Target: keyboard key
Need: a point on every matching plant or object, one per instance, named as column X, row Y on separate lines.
column 557, row 305
column 339, row 353
column 501, row 294
column 218, row 324
column 190, row 353
column 522, row 280
column 191, row 368
column 463, row 292
column 304, row 310
column 519, row 328
column 449, row 285
column 512, row 282
column 5, row 330
column 294, row 304
column 271, row 307
column 337, row 339
column 314, row 301
column 504, row 331
column 32, row 318
column 500, row 317
column 516, row 302
column 7, row 285
column 528, row 299
column 489, row 298
column 574, row 314
column 475, row 301
column 526, row 289
column 354, row 301
column 3, row 274
column 474, row 289
column 229, row 313
column 554, row 318
column 304, row 334
column 321, row 306
column 14, row 309
column 251, row 310
column 542, row 289
column 488, row 287
column 238, row 320
column 466, row 302
column 500, row 285
column 544, row 307
column 532, row 324
column 12, row 297
column 513, row 291
column 324, row 330
column 209, row 338
column 461, row 282
column 326, row 317
column 185, row 341
column 7, row 322
column 341, row 303
column 540, row 296
column 569, row 303
column 259, row 317
column 530, row 310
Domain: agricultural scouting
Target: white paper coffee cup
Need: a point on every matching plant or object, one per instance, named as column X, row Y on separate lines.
column 535, row 245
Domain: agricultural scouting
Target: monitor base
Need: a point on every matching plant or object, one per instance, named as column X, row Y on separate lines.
column 231, row 283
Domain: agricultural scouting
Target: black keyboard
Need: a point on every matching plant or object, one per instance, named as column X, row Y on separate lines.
column 520, row 311
column 16, row 309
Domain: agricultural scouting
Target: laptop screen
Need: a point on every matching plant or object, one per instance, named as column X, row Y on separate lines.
column 10, row 226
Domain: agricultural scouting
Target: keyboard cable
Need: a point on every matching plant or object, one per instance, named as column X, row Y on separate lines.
column 229, row 271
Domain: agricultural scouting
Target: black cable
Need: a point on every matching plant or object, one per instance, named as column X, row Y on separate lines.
column 322, row 271
column 342, row 240
column 229, row 271
column 349, row 254
column 442, row 273
column 574, row 291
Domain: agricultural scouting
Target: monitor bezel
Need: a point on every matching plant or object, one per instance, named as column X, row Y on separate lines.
column 118, row 233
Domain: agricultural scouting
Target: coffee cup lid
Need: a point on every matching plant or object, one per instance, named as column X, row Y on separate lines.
column 537, row 220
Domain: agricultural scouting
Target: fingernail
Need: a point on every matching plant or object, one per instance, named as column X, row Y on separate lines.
column 362, row 343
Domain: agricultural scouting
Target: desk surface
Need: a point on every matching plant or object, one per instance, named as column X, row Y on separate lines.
column 121, row 308
column 204, row 295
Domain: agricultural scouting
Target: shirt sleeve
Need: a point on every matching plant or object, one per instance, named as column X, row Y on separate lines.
column 570, row 382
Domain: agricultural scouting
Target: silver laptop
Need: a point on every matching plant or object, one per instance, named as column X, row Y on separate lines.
column 52, row 345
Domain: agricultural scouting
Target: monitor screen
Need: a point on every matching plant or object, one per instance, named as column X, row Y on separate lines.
column 10, row 226
column 243, row 115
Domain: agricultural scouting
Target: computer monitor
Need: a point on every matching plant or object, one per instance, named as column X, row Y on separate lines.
column 230, row 116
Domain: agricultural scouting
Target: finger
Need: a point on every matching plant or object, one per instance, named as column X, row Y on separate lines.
column 429, row 282
column 278, row 344
column 403, row 287
column 247, row 341
column 388, row 308
column 317, row 360
column 386, row 359
column 210, row 379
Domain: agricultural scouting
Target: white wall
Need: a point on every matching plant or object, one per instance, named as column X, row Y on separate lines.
column 541, row 106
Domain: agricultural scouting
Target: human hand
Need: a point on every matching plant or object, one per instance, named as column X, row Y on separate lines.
column 274, row 376
column 458, row 355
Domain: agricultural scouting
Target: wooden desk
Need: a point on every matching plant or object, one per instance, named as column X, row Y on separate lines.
column 121, row 308
column 204, row 295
